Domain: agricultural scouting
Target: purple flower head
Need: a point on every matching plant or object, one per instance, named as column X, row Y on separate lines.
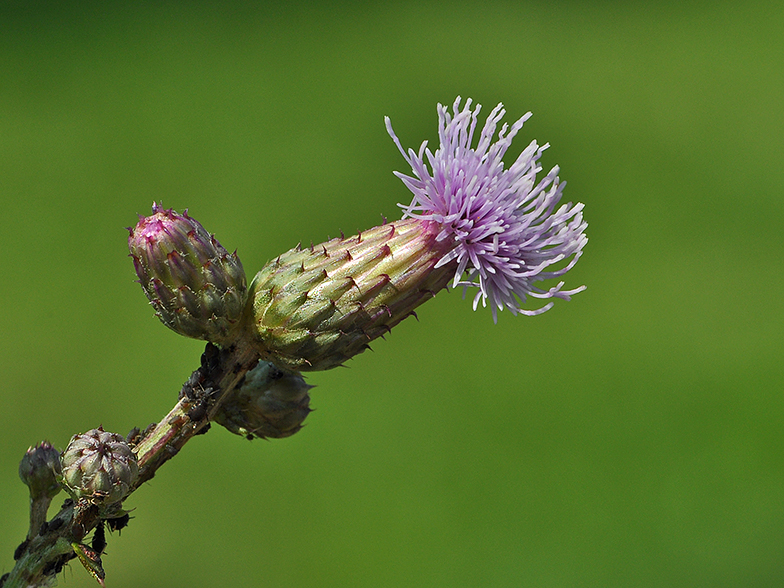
column 506, row 230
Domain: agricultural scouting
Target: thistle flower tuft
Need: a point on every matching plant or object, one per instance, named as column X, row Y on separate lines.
column 197, row 288
column 99, row 466
column 505, row 231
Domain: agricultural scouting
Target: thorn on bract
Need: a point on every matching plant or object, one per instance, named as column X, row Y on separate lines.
column 354, row 283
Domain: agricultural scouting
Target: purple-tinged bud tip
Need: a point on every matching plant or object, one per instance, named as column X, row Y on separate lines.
column 196, row 287
column 39, row 469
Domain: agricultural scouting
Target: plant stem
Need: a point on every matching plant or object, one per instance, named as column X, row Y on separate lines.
column 41, row 557
column 38, row 508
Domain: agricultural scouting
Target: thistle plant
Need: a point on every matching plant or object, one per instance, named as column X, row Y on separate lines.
column 472, row 223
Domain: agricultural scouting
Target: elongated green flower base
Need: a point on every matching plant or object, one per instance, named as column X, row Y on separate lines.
column 317, row 307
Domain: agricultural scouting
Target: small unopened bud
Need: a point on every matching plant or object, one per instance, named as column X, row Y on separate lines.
column 39, row 469
column 272, row 402
column 99, row 466
column 317, row 307
column 197, row 288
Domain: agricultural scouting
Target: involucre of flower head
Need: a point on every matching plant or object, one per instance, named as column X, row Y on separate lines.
column 504, row 230
column 316, row 307
column 271, row 403
column 472, row 222
column 196, row 287
column 39, row 469
column 99, row 466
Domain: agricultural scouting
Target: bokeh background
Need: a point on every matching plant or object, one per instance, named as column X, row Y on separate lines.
column 629, row 438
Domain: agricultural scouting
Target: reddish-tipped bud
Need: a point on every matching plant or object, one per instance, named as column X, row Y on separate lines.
column 196, row 287
column 315, row 308
column 272, row 402
column 39, row 469
column 99, row 466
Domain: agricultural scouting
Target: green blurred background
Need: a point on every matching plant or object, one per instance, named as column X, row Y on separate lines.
column 631, row 437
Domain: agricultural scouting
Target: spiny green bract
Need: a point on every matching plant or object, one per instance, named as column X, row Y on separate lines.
column 317, row 307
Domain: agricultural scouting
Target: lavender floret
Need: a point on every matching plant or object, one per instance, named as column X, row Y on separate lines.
column 507, row 233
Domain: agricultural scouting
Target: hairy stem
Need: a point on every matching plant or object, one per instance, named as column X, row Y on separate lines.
column 38, row 508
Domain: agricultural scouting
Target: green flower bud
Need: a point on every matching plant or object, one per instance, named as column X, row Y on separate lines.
column 272, row 402
column 99, row 466
column 196, row 287
column 39, row 469
column 317, row 307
